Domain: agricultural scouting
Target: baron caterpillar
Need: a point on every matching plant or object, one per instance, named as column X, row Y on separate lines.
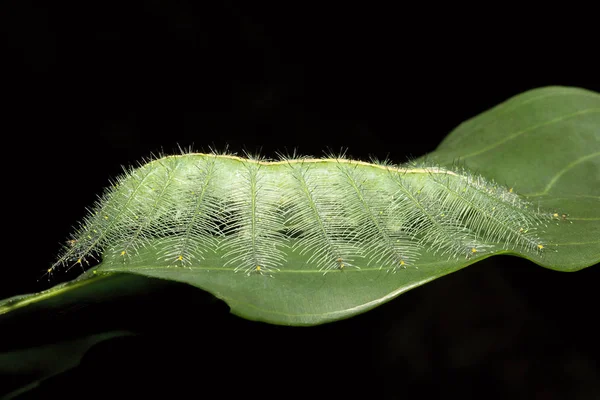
column 252, row 215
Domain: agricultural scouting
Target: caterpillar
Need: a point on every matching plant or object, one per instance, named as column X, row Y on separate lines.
column 254, row 215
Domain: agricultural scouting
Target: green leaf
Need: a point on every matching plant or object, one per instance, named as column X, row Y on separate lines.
column 31, row 366
column 544, row 144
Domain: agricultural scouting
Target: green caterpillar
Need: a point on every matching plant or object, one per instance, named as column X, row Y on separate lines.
column 251, row 214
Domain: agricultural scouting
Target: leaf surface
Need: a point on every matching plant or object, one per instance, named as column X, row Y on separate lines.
column 544, row 144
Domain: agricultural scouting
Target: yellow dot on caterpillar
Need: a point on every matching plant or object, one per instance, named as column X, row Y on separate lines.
column 79, row 261
column 95, row 272
column 106, row 217
column 555, row 215
column 258, row 268
column 402, row 262
column 180, row 258
column 123, row 253
column 510, row 190
column 540, row 246
column 473, row 250
column 49, row 269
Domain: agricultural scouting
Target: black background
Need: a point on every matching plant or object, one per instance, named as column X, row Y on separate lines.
column 93, row 86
